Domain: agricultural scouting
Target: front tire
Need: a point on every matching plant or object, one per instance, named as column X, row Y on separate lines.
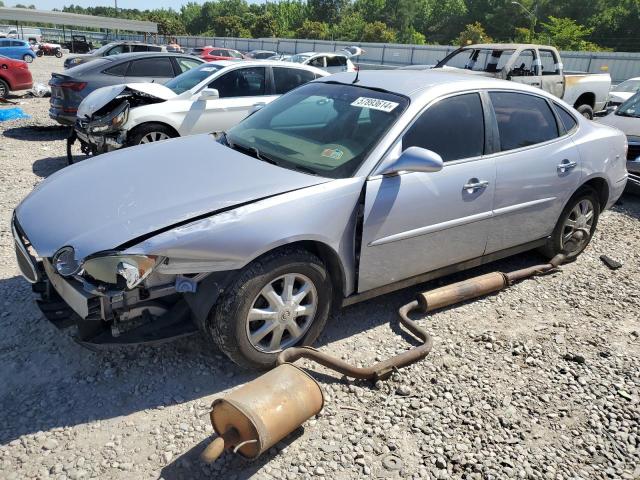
column 27, row 58
column 4, row 89
column 586, row 111
column 149, row 133
column 280, row 300
column 581, row 213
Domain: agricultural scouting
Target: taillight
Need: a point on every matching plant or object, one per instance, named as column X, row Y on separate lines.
column 75, row 86
column 356, row 68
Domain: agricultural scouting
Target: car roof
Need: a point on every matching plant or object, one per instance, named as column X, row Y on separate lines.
column 504, row 46
column 135, row 55
column 268, row 63
column 413, row 84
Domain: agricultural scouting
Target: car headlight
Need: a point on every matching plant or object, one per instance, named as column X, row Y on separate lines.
column 111, row 122
column 65, row 262
column 121, row 270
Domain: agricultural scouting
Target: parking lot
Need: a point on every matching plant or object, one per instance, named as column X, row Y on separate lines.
column 539, row 381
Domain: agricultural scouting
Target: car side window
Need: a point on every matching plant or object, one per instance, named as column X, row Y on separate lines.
column 453, row 128
column 336, row 61
column 153, row 48
column 139, row 48
column 119, row 70
column 151, row 67
column 317, row 62
column 568, row 120
column 4, row 43
column 524, row 65
column 523, row 119
column 242, row 82
column 549, row 62
column 17, row 44
column 118, row 49
column 186, row 64
column 289, row 78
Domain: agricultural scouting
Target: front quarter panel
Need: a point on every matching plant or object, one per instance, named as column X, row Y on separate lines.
column 324, row 213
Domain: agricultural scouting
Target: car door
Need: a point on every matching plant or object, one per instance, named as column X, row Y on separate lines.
column 552, row 80
column 336, row 63
column 288, row 78
column 418, row 222
column 525, row 68
column 5, row 48
column 536, row 170
column 240, row 90
column 151, row 69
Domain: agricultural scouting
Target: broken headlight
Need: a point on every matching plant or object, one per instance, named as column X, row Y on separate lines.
column 124, row 271
column 65, row 262
column 111, row 122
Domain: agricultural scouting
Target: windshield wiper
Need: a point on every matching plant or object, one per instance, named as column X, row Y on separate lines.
column 308, row 170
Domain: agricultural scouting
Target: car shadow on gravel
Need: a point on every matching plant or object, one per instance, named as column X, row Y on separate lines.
column 38, row 133
column 629, row 205
column 48, row 166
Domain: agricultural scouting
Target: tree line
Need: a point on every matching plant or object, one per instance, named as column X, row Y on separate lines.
column 569, row 25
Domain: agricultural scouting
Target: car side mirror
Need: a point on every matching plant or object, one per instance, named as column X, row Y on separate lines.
column 415, row 159
column 209, row 94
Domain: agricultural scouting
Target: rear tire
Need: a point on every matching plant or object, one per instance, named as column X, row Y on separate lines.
column 58, row 54
column 39, row 53
column 27, row 58
column 236, row 323
column 586, row 111
column 4, row 89
column 149, row 133
column 574, row 213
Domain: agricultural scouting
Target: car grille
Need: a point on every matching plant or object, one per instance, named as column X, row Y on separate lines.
column 634, row 151
column 26, row 262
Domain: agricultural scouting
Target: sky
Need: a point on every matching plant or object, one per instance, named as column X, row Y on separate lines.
column 139, row 4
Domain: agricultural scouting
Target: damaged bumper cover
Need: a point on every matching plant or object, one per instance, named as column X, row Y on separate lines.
column 104, row 134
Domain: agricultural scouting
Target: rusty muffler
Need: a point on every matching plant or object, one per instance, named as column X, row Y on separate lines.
column 259, row 414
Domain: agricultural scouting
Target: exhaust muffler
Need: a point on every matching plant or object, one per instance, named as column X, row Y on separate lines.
column 256, row 416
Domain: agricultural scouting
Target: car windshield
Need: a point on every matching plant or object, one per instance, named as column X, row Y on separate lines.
column 191, row 78
column 478, row 59
column 299, row 58
column 103, row 48
column 324, row 129
column 630, row 108
column 630, row 86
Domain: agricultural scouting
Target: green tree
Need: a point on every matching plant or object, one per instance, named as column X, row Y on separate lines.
column 230, row 26
column 370, row 10
column 169, row 22
column 350, row 28
column 326, row 10
column 378, row 32
column 264, row 26
column 313, row 30
column 566, row 34
column 473, row 33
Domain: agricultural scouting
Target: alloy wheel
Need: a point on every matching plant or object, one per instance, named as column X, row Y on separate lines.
column 154, row 137
column 281, row 313
column 579, row 219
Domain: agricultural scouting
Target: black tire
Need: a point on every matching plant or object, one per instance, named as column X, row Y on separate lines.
column 39, row 53
column 226, row 325
column 27, row 58
column 58, row 54
column 586, row 111
column 140, row 132
column 4, row 89
column 554, row 243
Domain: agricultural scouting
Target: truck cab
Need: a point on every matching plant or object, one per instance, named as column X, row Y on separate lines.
column 536, row 65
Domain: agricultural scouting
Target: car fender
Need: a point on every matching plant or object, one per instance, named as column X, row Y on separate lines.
column 164, row 112
column 232, row 239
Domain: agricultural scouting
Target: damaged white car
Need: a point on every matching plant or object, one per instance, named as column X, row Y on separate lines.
column 212, row 97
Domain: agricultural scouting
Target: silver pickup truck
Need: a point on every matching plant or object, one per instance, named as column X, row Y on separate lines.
column 536, row 65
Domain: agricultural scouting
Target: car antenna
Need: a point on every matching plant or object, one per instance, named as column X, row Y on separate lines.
column 356, row 80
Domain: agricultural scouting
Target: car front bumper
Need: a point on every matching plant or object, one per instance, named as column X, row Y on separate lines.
column 101, row 143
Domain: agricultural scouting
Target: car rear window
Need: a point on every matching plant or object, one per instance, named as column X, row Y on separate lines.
column 568, row 120
column 151, row 67
column 523, row 119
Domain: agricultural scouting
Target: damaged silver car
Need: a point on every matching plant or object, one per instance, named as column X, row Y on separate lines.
column 345, row 188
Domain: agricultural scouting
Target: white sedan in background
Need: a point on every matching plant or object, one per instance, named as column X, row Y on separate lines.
column 623, row 92
column 329, row 62
column 209, row 98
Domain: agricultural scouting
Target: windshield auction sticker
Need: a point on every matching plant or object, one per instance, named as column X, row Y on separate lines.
column 375, row 104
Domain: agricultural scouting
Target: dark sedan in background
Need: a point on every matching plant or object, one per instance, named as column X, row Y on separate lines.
column 69, row 88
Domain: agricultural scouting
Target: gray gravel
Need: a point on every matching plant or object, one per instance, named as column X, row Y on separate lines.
column 540, row 381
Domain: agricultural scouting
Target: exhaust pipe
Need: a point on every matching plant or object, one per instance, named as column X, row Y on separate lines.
column 253, row 418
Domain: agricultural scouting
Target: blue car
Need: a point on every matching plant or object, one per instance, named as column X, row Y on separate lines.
column 18, row 49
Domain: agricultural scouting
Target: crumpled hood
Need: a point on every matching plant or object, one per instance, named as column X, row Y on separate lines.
column 620, row 97
column 106, row 201
column 101, row 96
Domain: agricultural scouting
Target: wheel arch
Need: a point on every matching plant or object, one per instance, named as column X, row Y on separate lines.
column 151, row 122
column 587, row 98
column 601, row 187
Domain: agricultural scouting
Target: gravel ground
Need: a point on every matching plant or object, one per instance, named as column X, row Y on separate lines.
column 540, row 381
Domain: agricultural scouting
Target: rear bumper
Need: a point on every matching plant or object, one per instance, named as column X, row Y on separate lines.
column 63, row 118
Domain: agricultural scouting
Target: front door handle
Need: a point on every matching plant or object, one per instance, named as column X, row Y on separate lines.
column 474, row 184
column 566, row 165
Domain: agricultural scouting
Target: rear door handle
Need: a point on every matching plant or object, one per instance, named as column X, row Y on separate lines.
column 474, row 184
column 566, row 165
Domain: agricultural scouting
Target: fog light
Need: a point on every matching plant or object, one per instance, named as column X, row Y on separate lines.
column 65, row 262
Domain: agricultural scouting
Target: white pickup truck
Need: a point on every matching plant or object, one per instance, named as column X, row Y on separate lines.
column 536, row 65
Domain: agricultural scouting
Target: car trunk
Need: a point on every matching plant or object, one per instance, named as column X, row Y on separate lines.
column 66, row 93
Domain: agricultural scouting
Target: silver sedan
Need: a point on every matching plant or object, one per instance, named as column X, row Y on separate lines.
column 344, row 188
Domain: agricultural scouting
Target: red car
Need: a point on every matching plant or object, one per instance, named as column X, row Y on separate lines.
column 14, row 75
column 209, row 54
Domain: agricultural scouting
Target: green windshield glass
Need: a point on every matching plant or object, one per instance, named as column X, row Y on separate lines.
column 326, row 129
column 191, row 78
